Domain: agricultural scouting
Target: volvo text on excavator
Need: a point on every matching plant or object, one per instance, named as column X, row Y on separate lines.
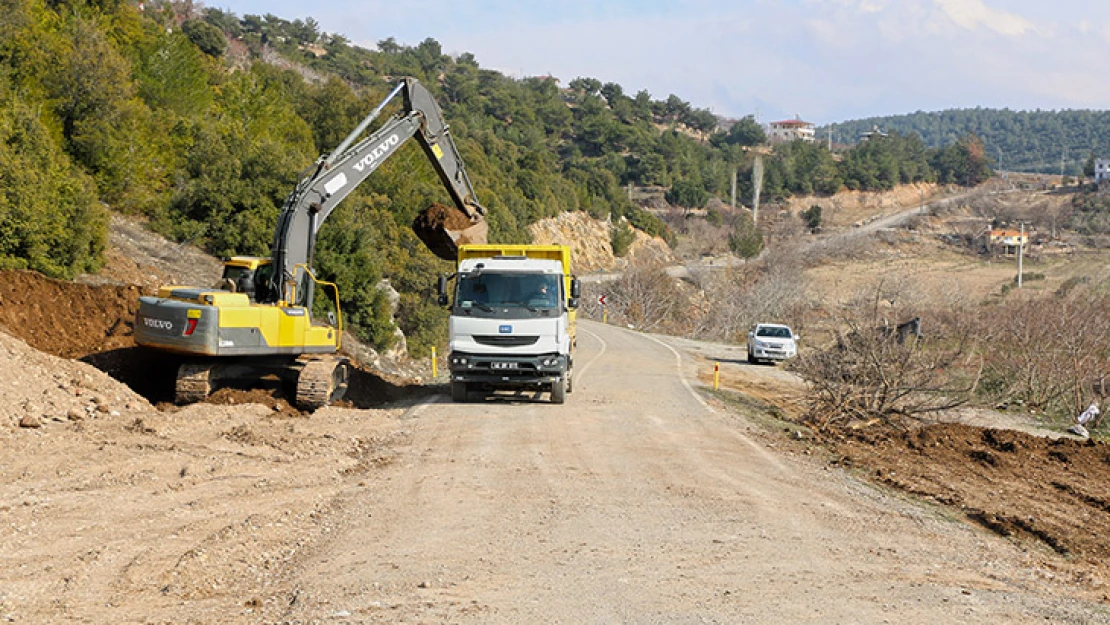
column 260, row 322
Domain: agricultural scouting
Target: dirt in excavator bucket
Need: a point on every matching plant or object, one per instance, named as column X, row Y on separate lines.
column 443, row 229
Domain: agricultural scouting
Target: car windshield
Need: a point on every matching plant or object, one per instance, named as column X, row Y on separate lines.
column 773, row 332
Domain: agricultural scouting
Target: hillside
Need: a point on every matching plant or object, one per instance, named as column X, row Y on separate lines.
column 1050, row 142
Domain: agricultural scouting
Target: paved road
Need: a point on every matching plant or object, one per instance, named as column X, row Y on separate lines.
column 639, row 502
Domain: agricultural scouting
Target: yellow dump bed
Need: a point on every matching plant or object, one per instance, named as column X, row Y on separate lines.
column 560, row 253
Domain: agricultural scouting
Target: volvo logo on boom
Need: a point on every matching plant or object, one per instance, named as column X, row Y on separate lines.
column 384, row 147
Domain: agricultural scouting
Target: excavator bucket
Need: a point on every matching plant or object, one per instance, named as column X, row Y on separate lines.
column 443, row 229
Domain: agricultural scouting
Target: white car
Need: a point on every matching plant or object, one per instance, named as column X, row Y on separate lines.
column 772, row 342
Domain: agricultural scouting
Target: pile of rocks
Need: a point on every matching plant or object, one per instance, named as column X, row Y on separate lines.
column 40, row 389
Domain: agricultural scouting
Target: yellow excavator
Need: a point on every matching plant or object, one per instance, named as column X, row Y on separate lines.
column 260, row 321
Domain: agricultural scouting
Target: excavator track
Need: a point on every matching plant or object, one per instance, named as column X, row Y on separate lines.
column 194, row 382
column 320, row 382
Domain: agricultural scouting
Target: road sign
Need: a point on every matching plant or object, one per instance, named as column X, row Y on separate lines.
column 601, row 299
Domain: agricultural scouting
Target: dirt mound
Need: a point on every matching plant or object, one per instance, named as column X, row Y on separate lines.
column 39, row 389
column 66, row 319
column 1021, row 486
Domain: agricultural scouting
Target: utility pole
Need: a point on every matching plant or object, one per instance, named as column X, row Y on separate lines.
column 1021, row 251
column 735, row 171
column 757, row 187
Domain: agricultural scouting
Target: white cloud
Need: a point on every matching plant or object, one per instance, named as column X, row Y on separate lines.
column 864, row 6
column 972, row 14
column 872, row 6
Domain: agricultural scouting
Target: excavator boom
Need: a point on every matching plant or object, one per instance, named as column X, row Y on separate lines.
column 336, row 175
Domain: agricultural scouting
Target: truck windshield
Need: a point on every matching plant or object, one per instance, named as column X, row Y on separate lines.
column 488, row 291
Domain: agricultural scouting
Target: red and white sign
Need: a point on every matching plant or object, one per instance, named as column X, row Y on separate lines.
column 601, row 299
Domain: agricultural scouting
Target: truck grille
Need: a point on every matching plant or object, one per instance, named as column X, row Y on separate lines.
column 505, row 341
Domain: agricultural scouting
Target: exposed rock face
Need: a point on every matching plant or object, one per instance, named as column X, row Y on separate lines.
column 589, row 240
column 848, row 207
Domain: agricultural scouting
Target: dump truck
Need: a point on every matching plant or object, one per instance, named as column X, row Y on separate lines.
column 259, row 322
column 512, row 323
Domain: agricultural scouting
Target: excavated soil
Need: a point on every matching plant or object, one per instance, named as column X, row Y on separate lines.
column 1049, row 493
column 441, row 216
column 66, row 319
column 1046, row 491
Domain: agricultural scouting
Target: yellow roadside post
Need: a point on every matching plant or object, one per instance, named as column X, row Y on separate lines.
column 434, row 372
column 716, row 376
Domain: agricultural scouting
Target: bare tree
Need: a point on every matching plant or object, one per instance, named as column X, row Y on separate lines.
column 646, row 298
column 1050, row 353
column 774, row 289
column 875, row 372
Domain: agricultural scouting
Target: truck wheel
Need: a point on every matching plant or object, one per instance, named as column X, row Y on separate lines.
column 559, row 391
column 458, row 392
column 570, row 382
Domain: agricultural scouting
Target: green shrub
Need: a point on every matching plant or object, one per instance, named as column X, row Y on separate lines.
column 621, row 238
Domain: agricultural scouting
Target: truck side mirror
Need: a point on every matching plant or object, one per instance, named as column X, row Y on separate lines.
column 575, row 293
column 442, row 299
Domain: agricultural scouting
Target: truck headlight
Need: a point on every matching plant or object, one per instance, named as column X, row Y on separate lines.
column 459, row 360
column 549, row 362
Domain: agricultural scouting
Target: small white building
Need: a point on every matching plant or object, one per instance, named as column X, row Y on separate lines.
column 1008, row 240
column 1102, row 169
column 874, row 133
column 790, row 130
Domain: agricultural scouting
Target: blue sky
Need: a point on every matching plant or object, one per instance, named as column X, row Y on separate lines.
column 823, row 60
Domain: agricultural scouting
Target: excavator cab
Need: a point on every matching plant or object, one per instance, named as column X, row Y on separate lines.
column 248, row 274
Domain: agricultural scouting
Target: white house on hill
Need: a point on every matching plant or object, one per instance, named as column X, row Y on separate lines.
column 1102, row 169
column 789, row 130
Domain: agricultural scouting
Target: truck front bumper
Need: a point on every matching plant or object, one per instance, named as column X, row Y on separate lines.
column 508, row 370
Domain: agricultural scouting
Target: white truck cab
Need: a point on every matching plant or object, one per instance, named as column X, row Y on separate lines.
column 512, row 321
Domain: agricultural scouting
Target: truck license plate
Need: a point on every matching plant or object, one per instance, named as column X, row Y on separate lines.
column 503, row 365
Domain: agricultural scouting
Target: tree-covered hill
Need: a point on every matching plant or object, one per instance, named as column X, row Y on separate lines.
column 201, row 121
column 1027, row 141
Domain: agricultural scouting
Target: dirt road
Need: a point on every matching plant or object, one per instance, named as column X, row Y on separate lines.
column 634, row 502
column 637, row 502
